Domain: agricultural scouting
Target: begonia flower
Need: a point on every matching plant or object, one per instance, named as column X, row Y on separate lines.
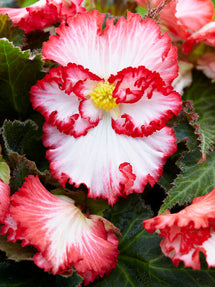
column 43, row 13
column 62, row 234
column 206, row 35
column 182, row 17
column 188, row 232
column 107, row 107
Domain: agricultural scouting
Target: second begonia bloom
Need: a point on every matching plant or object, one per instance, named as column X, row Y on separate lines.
column 181, row 17
column 62, row 234
column 43, row 13
column 107, row 107
column 188, row 232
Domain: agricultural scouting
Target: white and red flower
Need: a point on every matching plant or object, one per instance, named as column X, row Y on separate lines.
column 107, row 107
column 43, row 13
column 62, row 234
column 188, row 232
column 181, row 17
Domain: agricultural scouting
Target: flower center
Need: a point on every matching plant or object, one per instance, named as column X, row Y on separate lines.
column 102, row 96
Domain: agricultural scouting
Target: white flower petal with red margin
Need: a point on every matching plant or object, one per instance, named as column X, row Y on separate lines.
column 110, row 165
column 188, row 232
column 64, row 236
column 131, row 42
column 58, row 96
column 145, row 103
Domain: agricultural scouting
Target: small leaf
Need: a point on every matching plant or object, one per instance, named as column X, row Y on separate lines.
column 18, row 72
column 202, row 117
column 15, row 251
column 12, row 33
column 25, row 3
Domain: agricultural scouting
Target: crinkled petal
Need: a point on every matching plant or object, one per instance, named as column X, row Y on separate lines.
column 63, row 235
column 110, row 165
column 58, row 96
column 146, row 104
column 131, row 42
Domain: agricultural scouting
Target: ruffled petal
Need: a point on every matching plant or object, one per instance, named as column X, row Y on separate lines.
column 205, row 34
column 115, row 48
column 110, row 165
column 202, row 12
column 187, row 232
column 146, row 104
column 64, row 237
column 58, row 96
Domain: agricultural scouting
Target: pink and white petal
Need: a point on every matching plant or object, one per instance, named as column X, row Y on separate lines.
column 202, row 12
column 15, row 14
column 110, row 165
column 5, row 200
column 63, row 235
column 205, row 34
column 148, row 114
column 60, row 109
column 115, row 48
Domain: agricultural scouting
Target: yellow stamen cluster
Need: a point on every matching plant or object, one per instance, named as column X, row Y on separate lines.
column 102, row 96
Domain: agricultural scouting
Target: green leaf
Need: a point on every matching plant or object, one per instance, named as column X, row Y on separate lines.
column 202, row 117
column 23, row 150
column 26, row 274
column 12, row 33
column 141, row 262
column 196, row 179
column 25, row 3
column 15, row 251
column 24, row 138
column 17, row 74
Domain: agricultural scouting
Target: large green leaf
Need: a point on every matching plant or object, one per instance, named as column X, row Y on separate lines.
column 26, row 274
column 140, row 262
column 196, row 179
column 202, row 117
column 23, row 150
column 12, row 33
column 18, row 72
